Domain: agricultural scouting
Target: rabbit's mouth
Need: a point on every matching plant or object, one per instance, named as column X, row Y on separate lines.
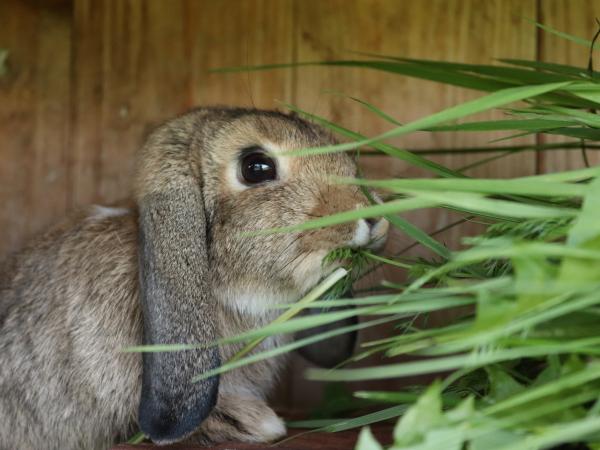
column 370, row 234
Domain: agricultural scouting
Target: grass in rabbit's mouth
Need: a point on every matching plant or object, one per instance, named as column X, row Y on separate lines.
column 518, row 368
column 354, row 261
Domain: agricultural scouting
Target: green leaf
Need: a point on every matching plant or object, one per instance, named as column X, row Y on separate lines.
column 418, row 235
column 367, row 419
column 502, row 385
column 502, row 125
column 494, row 440
column 424, row 415
column 586, row 226
column 3, row 58
column 467, row 360
column 505, row 74
column 241, row 361
column 569, row 37
column 520, row 186
column 588, row 91
column 573, row 71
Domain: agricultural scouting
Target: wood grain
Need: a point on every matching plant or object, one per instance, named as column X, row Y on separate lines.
column 34, row 117
column 240, row 33
column 131, row 72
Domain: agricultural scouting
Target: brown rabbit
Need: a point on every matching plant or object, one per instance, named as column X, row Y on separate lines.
column 172, row 268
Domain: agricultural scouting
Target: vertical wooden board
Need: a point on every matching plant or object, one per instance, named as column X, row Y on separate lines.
column 576, row 17
column 458, row 30
column 131, row 72
column 468, row 31
column 34, row 117
column 16, row 120
column 86, row 101
column 145, row 82
column 232, row 34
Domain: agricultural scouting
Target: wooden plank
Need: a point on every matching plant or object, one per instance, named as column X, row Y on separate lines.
column 34, row 117
column 145, row 81
column 131, row 73
column 577, row 17
column 86, row 101
column 342, row 440
column 245, row 32
column 468, row 31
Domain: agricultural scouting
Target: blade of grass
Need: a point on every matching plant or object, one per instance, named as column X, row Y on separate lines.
column 490, row 101
column 404, row 155
column 240, row 359
column 436, row 365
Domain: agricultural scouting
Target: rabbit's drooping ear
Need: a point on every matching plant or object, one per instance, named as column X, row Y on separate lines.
column 175, row 291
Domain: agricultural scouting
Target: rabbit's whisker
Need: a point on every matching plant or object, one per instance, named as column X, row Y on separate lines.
column 284, row 252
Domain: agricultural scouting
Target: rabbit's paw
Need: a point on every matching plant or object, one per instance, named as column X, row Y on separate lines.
column 240, row 419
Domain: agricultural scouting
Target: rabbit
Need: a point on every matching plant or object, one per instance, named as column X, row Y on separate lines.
column 173, row 266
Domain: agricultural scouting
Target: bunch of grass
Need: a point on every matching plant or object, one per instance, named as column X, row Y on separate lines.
column 518, row 369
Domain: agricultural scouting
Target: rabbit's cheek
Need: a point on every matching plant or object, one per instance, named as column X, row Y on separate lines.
column 309, row 271
column 329, row 238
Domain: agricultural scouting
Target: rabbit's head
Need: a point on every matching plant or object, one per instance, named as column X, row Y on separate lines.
column 204, row 180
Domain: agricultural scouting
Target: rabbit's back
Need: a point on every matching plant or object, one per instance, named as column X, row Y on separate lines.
column 68, row 303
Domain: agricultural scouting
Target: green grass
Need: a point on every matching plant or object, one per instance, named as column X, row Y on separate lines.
column 518, row 367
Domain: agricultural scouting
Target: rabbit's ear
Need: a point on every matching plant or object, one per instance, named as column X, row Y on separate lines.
column 177, row 304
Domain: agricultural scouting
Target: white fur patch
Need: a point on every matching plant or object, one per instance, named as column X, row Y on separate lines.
column 362, row 234
column 273, row 427
column 256, row 302
column 104, row 212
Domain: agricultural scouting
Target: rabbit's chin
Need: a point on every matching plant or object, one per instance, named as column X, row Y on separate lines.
column 250, row 297
column 257, row 301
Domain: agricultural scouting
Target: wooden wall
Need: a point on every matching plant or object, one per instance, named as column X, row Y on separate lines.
column 87, row 79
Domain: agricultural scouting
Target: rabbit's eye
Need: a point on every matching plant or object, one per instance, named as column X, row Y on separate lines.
column 257, row 167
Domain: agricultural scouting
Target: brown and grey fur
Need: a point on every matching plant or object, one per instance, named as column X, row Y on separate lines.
column 172, row 268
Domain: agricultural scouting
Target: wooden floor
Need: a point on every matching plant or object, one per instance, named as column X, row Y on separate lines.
column 344, row 440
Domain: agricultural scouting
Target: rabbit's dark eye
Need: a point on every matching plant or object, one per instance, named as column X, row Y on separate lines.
column 257, row 167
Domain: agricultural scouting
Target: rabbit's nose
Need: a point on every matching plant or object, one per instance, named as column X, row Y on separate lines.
column 378, row 231
column 370, row 233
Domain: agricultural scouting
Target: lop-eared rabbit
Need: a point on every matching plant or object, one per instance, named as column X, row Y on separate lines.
column 174, row 267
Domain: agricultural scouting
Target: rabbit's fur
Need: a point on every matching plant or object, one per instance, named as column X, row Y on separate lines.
column 172, row 267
